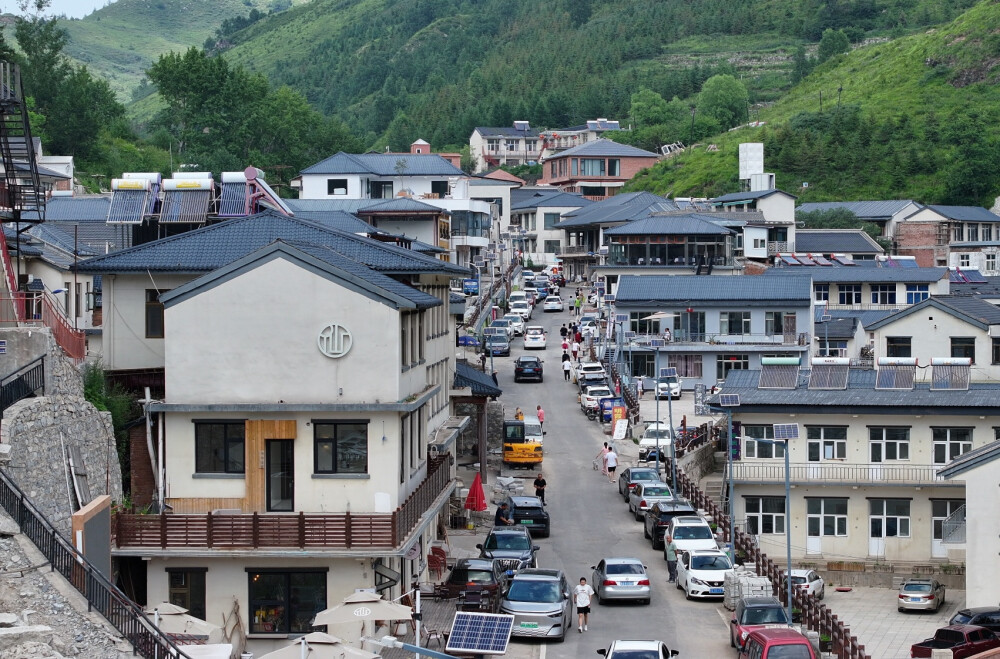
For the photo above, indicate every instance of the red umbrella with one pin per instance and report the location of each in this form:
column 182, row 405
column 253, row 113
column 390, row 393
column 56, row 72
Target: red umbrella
column 477, row 497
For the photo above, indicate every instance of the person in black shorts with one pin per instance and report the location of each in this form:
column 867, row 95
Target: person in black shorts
column 503, row 515
column 611, row 460
column 581, row 596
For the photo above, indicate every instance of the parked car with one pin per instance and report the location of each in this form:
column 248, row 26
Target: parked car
column 527, row 367
column 668, row 386
column 516, row 323
column 637, row 650
column 621, row 579
column 983, row 616
column 963, row 641
column 690, row 532
column 498, row 344
column 777, row 644
column 592, row 395
column 588, row 373
column 920, row 595
column 521, row 308
column 656, row 519
column 629, row 476
column 472, row 572
column 753, row 613
column 540, row 603
column 510, row 546
column 534, row 338
column 702, row 572
column 655, row 433
column 504, row 324
column 529, row 512
column 644, row 495
column 553, row 303
column 809, row 582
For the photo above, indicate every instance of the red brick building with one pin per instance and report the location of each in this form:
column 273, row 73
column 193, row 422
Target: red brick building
column 596, row 169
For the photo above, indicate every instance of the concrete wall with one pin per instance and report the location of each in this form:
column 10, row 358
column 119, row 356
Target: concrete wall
column 314, row 186
column 779, row 209
column 930, row 333
column 982, row 535
column 124, row 336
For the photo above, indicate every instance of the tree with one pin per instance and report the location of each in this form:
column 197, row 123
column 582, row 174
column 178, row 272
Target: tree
column 648, row 108
column 724, row 98
column 834, row 42
column 802, row 65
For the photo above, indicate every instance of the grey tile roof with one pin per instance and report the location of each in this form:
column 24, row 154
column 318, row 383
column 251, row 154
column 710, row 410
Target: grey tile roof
column 340, row 220
column 748, row 196
column 861, row 396
column 837, row 328
column 669, row 225
column 857, row 274
column 619, row 208
column 77, row 209
column 970, row 309
column 652, row 291
column 990, row 289
column 840, row 241
column 57, row 237
column 480, row 383
column 865, row 210
column 216, row 245
column 525, row 199
column 385, row 164
column 965, row 213
column 401, row 205
column 505, row 131
column 608, row 149
column 975, row 458
column 865, row 317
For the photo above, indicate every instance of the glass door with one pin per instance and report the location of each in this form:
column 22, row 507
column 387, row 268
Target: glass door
column 280, row 475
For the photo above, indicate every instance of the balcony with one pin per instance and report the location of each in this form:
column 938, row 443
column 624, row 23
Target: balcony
column 576, row 251
column 779, row 247
column 727, row 340
column 301, row 530
column 837, row 473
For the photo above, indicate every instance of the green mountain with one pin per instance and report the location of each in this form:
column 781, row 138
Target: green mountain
column 914, row 118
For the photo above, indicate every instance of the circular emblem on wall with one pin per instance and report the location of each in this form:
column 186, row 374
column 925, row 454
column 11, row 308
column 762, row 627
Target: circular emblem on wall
column 335, row 340
column 362, row 611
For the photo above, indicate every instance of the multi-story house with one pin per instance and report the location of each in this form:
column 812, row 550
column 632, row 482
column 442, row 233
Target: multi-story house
column 535, row 214
column 596, row 169
column 966, row 237
column 713, row 325
column 295, row 476
column 504, row 145
column 864, row 455
column 770, row 233
column 887, row 214
column 559, row 139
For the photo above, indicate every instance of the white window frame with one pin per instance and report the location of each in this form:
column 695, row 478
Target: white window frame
column 820, row 517
column 821, row 292
column 883, row 443
column 902, row 521
column 965, row 260
column 761, row 450
column 945, row 445
column 830, row 448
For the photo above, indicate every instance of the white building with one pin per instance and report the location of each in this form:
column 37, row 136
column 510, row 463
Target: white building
column 775, row 233
column 492, row 146
column 535, row 214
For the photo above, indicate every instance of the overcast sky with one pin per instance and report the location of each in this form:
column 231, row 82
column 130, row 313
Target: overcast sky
column 71, row 8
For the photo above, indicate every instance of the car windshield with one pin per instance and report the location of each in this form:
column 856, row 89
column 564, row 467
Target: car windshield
column 672, row 380
column 789, row 652
column 599, row 392
column 960, row 619
column 763, row 615
column 643, row 475
column 508, row 541
column 798, row 580
column 500, row 322
column 917, row 588
column 692, row 533
column 519, row 305
column 496, row 338
column 592, row 368
column 711, row 563
column 637, row 654
column 535, row 332
column 625, row 568
column 653, row 433
column 529, row 361
column 534, row 591
column 656, row 492
column 463, row 575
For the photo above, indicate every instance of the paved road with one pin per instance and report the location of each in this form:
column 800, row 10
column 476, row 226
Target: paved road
column 590, row 521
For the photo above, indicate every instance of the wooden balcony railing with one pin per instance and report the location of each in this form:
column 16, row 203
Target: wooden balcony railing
column 841, row 474
column 278, row 531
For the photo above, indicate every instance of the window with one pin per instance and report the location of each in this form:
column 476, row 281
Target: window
column 219, row 447
column 575, row 166
column 440, row 188
column 67, row 293
column 336, row 186
column 187, row 589
column 726, row 363
column 774, row 322
column 551, row 220
column 898, row 346
column 285, row 602
column 957, row 233
column 987, row 231
column 827, row 443
column 688, row 366
column 734, row 322
column 639, row 325
column 849, row 293
column 883, row 294
column 380, row 189
column 154, row 313
column 530, row 145
column 950, row 443
column 614, row 167
column 916, row 293
column 889, row 518
column 972, row 231
column 765, row 515
column 340, row 447
column 493, row 145
column 888, row 443
column 511, row 145
column 591, row 166
column 412, row 439
column 990, row 264
column 551, row 246
column 996, row 351
column 821, row 292
column 763, row 450
column 964, row 260
column 826, row 517
column 89, row 299
column 964, row 346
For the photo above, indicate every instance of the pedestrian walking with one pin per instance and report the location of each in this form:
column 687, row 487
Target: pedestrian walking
column 540, row 487
column 540, row 413
column 599, row 459
column 482, row 361
column 670, row 553
column 638, row 388
column 582, row 594
column 578, row 336
column 563, row 330
column 611, row 460
column 618, row 388
column 576, row 349
column 566, row 366
column 565, row 345
column 577, row 304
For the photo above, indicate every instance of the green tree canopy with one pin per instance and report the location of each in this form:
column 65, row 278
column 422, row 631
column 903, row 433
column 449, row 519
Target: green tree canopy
column 724, row 98
column 648, row 108
column 834, row 42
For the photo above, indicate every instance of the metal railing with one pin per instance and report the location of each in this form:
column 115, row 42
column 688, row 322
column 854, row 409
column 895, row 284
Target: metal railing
column 575, row 250
column 736, row 340
column 953, row 528
column 22, row 383
column 836, row 472
column 42, row 309
column 101, row 595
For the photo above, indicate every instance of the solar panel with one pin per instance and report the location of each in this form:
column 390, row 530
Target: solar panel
column 784, row 431
column 829, row 373
column 950, row 374
column 127, row 206
column 779, row 373
column 805, row 260
column 843, row 260
column 729, row 400
column 630, row 334
column 668, row 372
column 233, row 199
column 895, row 373
column 657, row 343
column 621, row 318
column 789, row 259
column 820, row 259
column 609, row 298
column 480, row 633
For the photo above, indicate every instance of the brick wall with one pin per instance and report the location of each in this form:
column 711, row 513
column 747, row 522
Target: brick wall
column 142, row 483
column 920, row 240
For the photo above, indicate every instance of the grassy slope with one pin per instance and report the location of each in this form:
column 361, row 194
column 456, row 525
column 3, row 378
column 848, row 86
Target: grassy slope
column 118, row 42
column 886, row 80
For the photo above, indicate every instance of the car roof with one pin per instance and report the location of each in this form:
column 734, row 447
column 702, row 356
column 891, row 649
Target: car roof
column 926, row 581
column 976, row 610
column 622, row 561
column 479, row 563
column 779, row 635
column 636, row 645
column 674, row 504
column 526, row 500
column 520, row 530
column 529, row 358
column 800, row 573
column 707, row 552
column 538, row 574
column 689, row 520
column 761, row 601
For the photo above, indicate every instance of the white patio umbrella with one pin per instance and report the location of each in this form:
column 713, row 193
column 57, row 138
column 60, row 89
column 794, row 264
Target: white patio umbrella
column 360, row 607
column 317, row 645
column 660, row 315
column 174, row 620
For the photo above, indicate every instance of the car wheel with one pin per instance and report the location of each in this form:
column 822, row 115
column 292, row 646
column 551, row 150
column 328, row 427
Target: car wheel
column 687, row 594
column 899, row 608
column 822, row 594
column 638, row 515
column 678, row 585
column 597, row 597
column 732, row 641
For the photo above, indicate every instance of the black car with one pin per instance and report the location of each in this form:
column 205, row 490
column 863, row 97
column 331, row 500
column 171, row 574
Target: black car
column 527, row 368
column 529, row 512
column 470, row 572
column 510, row 546
column 984, row 616
column 658, row 517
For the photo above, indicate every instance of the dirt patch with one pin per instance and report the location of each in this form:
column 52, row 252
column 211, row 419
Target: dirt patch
column 981, row 73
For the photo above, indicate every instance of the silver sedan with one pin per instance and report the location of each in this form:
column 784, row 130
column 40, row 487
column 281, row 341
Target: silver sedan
column 621, row 579
column 920, row 595
column 644, row 495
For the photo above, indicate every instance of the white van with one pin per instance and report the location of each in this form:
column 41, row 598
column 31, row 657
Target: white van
column 532, row 429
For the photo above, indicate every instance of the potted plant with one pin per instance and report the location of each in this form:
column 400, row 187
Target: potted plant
column 825, row 643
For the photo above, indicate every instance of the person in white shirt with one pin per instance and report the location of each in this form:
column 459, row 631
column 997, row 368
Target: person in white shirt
column 582, row 595
column 611, row 462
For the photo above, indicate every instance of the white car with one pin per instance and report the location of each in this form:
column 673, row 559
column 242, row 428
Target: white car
column 702, row 573
column 668, row 386
column 626, row 649
column 592, row 395
column 809, row 582
column 516, row 321
column 522, row 309
column 592, row 372
column 689, row 533
column 504, row 324
column 553, row 303
column 534, row 338
column 656, row 434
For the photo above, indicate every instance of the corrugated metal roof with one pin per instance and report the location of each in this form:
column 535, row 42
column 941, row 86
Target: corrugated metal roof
column 975, row 458
column 854, row 274
column 619, row 208
column 865, row 210
column 669, row 225
column 865, row 317
column 547, row 199
column 749, row 196
column 840, row 241
column 607, row 149
column 837, row 328
column 480, row 383
column 965, row 213
column 385, row 164
column 649, row 291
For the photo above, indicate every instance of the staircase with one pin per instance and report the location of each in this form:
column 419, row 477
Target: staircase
column 23, row 195
column 714, row 484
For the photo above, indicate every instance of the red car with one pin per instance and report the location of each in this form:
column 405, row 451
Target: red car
column 963, row 641
column 761, row 644
column 754, row 614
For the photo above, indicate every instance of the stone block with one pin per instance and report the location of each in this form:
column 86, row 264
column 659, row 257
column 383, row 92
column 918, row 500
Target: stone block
column 8, row 620
column 13, row 636
column 8, row 527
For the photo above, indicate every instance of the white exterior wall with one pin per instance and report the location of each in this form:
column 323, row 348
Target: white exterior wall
column 314, row 186
column 900, row 216
column 940, row 287
column 930, row 333
column 779, row 209
column 982, row 536
column 750, row 234
column 976, row 259
column 54, row 279
column 124, row 335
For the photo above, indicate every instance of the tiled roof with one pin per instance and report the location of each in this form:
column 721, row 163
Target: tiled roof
column 340, row 220
column 748, row 196
column 965, row 213
column 669, row 225
column 865, row 210
column 836, row 328
column 971, row 309
column 607, row 149
column 975, row 458
column 840, row 241
column 385, row 164
column 499, row 175
column 401, row 205
column 505, row 131
column 990, row 289
column 649, row 291
column 856, row 274
column 547, row 199
column 480, row 383
column 865, row 317
column 216, row 245
column 619, row 208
